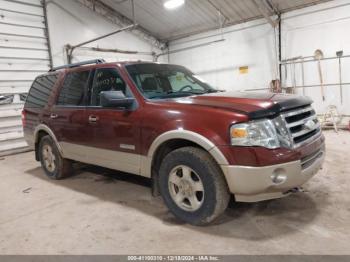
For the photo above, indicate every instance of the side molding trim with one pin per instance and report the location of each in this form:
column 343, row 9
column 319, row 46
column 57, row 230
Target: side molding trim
column 113, row 159
column 144, row 169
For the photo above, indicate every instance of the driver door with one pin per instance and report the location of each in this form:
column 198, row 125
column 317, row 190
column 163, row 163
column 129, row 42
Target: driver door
column 114, row 133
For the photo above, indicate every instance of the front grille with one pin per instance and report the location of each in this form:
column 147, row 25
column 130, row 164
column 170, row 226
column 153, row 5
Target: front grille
column 301, row 125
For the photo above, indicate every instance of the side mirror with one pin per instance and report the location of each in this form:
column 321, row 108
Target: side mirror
column 115, row 99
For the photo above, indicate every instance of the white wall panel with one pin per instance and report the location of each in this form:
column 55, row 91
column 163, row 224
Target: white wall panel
column 71, row 23
column 23, row 55
column 248, row 44
column 324, row 26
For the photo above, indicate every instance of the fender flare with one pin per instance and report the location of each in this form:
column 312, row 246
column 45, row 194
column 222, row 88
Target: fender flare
column 186, row 135
column 43, row 127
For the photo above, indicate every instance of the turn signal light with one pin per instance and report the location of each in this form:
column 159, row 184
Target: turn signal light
column 238, row 133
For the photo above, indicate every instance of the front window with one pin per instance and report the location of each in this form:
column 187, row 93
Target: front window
column 157, row 81
column 106, row 79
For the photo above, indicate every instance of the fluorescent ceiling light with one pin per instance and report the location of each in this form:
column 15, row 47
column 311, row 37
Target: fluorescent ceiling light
column 172, row 4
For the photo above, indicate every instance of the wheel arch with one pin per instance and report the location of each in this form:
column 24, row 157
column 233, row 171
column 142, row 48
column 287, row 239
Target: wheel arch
column 39, row 132
column 175, row 139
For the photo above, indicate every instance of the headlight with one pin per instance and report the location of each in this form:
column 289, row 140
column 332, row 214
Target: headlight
column 256, row 133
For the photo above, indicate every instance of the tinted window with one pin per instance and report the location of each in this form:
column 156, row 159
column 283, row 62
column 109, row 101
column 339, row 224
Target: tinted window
column 40, row 91
column 72, row 92
column 106, row 79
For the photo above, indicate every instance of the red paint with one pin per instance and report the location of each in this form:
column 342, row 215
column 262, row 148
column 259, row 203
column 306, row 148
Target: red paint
column 208, row 115
column 23, row 116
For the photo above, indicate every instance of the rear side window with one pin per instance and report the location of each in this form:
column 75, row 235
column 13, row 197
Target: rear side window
column 72, row 92
column 40, row 91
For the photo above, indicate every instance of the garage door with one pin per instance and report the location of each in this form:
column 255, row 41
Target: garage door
column 24, row 54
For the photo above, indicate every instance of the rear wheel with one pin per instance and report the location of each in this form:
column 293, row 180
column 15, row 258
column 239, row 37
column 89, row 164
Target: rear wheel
column 193, row 186
column 54, row 165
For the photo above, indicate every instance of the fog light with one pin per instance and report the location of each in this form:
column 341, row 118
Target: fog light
column 278, row 176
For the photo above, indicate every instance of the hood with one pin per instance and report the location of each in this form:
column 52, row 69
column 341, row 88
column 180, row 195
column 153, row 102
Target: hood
column 254, row 104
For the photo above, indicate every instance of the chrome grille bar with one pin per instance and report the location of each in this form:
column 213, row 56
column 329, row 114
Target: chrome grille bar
column 299, row 127
column 301, row 122
column 297, row 112
column 305, row 131
column 318, row 134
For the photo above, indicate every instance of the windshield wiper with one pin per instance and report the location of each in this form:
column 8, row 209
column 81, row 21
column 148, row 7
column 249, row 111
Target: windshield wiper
column 213, row 91
column 197, row 92
column 172, row 94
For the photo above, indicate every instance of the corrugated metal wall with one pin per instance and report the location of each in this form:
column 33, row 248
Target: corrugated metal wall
column 24, row 54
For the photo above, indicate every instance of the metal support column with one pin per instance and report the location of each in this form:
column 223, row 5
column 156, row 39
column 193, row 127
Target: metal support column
column 280, row 47
column 47, row 32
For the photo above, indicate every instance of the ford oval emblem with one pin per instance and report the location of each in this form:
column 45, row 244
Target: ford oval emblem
column 310, row 124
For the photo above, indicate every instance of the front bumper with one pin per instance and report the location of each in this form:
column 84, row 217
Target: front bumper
column 252, row 184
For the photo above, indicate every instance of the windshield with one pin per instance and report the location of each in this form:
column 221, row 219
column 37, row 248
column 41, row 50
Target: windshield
column 157, row 81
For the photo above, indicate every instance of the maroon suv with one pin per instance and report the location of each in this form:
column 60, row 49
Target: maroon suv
column 197, row 144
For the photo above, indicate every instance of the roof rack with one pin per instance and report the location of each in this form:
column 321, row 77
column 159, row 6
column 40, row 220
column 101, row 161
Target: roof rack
column 88, row 62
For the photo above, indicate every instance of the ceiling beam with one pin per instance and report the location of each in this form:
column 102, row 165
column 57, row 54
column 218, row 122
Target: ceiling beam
column 226, row 18
column 117, row 18
column 272, row 6
column 262, row 9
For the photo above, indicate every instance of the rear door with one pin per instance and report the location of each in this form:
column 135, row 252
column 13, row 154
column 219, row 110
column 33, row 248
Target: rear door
column 114, row 133
column 68, row 115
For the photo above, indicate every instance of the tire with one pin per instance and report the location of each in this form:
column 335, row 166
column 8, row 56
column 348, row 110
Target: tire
column 193, row 186
column 55, row 166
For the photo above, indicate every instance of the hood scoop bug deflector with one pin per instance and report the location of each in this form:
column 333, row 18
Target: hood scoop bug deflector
column 281, row 106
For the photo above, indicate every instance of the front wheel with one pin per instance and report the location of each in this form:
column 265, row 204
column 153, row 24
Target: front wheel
column 193, row 186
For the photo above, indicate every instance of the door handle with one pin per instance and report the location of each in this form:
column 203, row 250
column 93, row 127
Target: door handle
column 93, row 119
column 53, row 116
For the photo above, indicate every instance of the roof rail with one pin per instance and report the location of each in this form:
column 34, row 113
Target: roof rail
column 88, row 62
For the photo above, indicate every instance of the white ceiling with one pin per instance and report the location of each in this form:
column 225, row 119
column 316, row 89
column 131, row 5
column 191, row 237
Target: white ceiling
column 198, row 15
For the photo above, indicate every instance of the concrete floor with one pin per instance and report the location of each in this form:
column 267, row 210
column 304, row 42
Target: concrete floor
column 94, row 213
